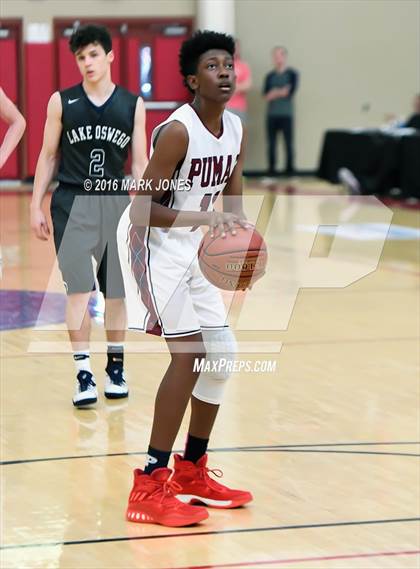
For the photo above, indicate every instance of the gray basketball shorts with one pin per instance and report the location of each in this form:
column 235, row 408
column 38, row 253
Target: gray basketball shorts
column 85, row 228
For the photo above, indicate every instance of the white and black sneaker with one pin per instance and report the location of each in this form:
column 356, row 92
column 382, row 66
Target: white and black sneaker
column 86, row 392
column 115, row 384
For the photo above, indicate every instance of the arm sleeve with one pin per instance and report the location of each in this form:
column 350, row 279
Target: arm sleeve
column 267, row 84
column 294, row 82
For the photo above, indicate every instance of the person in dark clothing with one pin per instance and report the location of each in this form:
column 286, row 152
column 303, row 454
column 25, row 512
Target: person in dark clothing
column 279, row 88
column 414, row 120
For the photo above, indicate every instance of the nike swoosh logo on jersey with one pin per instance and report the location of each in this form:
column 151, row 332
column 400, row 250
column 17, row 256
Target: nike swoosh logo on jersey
column 71, row 101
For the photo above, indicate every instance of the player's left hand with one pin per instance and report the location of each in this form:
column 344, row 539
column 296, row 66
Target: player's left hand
column 223, row 221
column 39, row 224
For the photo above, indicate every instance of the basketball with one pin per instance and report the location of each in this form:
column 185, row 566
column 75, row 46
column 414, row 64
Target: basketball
column 234, row 262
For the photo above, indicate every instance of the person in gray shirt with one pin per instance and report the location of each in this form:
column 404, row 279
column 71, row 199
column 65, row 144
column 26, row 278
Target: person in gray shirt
column 279, row 88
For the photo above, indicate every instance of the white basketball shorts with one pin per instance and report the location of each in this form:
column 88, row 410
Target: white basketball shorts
column 166, row 292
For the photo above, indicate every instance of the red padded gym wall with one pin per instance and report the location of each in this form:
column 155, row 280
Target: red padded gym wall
column 168, row 85
column 132, row 68
column 116, row 65
column 67, row 71
column 153, row 118
column 9, row 84
column 39, row 86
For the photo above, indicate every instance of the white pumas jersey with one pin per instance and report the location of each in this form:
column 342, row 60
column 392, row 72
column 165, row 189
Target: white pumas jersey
column 166, row 292
column 208, row 163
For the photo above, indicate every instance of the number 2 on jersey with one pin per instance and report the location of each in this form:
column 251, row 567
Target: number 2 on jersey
column 97, row 161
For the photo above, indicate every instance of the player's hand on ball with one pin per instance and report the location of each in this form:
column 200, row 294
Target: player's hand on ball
column 233, row 262
column 39, row 224
column 222, row 222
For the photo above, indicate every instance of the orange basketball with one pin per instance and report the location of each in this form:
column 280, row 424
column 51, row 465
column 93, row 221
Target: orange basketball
column 233, row 262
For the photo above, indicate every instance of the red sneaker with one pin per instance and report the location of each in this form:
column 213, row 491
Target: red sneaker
column 198, row 487
column 152, row 501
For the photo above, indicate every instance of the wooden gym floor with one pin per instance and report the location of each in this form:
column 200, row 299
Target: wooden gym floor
column 328, row 443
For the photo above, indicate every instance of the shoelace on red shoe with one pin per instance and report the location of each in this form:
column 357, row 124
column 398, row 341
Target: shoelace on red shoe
column 168, row 490
column 204, row 474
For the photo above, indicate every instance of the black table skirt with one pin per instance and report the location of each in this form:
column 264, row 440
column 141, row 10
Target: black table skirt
column 380, row 161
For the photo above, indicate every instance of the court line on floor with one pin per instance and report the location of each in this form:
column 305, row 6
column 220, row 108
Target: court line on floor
column 48, row 349
column 349, row 341
column 351, row 444
column 333, row 451
column 303, row 559
column 213, row 532
column 401, row 271
column 254, row 448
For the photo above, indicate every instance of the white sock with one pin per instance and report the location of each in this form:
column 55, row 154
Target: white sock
column 82, row 360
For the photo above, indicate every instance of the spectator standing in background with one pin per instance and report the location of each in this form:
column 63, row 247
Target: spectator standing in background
column 238, row 103
column 279, row 88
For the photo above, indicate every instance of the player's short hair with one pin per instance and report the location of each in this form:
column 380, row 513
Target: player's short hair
column 90, row 33
column 194, row 47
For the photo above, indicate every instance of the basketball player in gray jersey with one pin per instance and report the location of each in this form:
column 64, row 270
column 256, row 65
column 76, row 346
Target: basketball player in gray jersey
column 88, row 132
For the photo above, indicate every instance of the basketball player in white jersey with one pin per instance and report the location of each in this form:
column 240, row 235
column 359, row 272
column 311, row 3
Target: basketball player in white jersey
column 199, row 147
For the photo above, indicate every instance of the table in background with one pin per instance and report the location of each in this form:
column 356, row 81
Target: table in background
column 380, row 160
